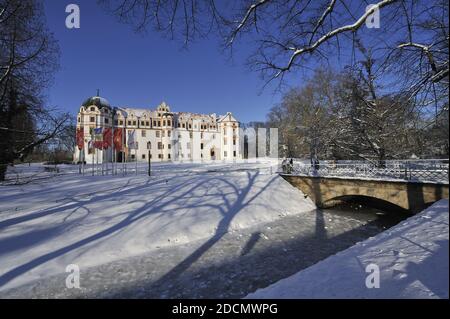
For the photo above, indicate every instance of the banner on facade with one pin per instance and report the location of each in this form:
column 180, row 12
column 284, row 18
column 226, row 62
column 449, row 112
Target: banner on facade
column 80, row 138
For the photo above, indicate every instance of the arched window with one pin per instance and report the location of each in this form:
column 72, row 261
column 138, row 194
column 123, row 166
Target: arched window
column 149, row 145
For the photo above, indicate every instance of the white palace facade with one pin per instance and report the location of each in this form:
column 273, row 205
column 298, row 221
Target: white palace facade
column 161, row 134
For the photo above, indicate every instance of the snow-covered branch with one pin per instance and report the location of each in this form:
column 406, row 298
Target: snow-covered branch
column 331, row 34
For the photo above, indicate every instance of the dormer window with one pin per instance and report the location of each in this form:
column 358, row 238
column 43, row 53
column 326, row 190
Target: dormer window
column 92, row 109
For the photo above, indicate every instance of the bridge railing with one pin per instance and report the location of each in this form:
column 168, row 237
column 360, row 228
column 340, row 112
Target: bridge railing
column 411, row 170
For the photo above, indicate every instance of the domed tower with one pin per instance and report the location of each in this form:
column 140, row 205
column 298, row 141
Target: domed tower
column 95, row 112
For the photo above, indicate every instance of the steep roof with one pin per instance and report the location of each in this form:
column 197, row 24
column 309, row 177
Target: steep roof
column 227, row 118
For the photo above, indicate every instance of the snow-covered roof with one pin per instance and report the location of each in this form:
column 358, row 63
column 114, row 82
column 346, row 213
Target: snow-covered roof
column 227, row 118
column 126, row 111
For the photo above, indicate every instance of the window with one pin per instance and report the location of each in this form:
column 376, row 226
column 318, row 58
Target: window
column 134, row 123
column 160, row 156
column 190, row 134
column 143, row 133
column 143, row 156
column 201, row 146
column 169, row 146
column 133, row 156
column 92, row 109
column 184, row 125
column 234, row 141
column 149, row 145
column 168, row 133
column 201, row 135
column 121, row 122
column 158, row 134
column 154, row 123
column 169, row 123
column 147, row 123
column 179, row 124
column 225, row 154
column 79, row 120
column 159, row 123
column 92, row 119
column 160, row 146
column 142, row 123
column 129, row 123
column 164, row 123
column 168, row 156
column 234, row 153
column 224, row 141
column 214, row 136
column 190, row 126
column 106, row 121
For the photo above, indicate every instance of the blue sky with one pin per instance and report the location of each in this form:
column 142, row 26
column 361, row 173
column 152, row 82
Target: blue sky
column 143, row 70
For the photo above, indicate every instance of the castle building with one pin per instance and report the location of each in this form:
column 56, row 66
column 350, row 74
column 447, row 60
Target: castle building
column 161, row 134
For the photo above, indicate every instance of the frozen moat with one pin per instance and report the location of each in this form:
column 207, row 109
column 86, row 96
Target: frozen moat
column 231, row 265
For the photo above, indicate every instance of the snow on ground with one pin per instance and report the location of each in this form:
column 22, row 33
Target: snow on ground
column 413, row 258
column 57, row 220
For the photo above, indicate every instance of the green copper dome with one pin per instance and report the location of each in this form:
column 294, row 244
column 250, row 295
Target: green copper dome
column 97, row 101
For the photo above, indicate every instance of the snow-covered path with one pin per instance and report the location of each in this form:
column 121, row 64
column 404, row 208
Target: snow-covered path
column 413, row 259
column 93, row 220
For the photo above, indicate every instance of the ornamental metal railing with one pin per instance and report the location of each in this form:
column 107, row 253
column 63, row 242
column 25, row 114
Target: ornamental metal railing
column 410, row 170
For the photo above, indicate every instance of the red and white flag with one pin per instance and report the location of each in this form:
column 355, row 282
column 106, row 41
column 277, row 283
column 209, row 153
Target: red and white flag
column 80, row 138
column 118, row 137
column 107, row 138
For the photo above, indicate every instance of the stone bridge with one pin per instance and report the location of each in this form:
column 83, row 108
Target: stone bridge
column 407, row 195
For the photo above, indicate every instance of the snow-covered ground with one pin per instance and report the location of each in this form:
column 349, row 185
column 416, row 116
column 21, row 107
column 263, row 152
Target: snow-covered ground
column 413, row 259
column 65, row 218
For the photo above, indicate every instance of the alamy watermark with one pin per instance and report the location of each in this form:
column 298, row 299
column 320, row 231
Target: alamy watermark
column 73, row 279
column 373, row 19
column 373, row 279
column 73, row 19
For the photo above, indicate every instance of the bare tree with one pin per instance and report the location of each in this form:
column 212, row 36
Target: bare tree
column 410, row 46
column 28, row 55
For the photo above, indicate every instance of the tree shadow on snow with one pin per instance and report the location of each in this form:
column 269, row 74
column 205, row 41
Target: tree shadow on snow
column 156, row 205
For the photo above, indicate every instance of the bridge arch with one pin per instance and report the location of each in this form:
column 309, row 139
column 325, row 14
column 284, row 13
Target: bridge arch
column 370, row 201
column 410, row 196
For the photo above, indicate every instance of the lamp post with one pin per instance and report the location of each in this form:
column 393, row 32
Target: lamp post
column 149, row 163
